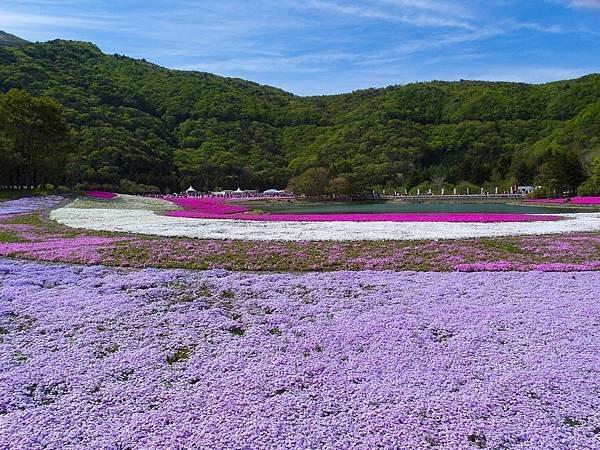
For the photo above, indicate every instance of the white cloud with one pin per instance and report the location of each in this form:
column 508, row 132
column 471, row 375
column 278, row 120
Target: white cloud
column 593, row 4
column 448, row 8
column 412, row 12
column 534, row 26
column 20, row 20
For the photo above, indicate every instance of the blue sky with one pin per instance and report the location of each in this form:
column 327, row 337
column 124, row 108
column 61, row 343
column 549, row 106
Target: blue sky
column 312, row 47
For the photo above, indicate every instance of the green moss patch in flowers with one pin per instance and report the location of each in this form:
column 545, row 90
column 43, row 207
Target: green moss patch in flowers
column 33, row 219
column 10, row 236
column 181, row 354
column 504, row 245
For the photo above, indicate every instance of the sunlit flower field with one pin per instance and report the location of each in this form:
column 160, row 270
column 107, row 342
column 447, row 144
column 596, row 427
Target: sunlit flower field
column 107, row 358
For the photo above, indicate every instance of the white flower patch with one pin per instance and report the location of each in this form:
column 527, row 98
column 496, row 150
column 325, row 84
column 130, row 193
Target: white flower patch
column 150, row 223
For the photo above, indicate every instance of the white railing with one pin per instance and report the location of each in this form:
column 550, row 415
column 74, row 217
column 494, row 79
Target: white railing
column 452, row 196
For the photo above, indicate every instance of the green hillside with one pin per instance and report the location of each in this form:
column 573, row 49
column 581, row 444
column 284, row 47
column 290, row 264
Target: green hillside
column 140, row 122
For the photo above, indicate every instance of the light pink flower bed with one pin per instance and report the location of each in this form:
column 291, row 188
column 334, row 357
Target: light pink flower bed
column 218, row 208
column 81, row 249
column 101, row 194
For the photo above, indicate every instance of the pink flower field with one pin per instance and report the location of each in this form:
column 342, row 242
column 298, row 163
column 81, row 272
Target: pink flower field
column 219, row 208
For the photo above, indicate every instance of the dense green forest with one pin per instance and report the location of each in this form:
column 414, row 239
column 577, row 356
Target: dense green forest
column 134, row 123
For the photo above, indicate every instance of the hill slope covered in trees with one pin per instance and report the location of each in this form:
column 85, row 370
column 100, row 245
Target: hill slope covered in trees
column 140, row 122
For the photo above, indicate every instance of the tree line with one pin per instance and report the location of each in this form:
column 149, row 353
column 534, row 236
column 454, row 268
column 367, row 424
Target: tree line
column 39, row 148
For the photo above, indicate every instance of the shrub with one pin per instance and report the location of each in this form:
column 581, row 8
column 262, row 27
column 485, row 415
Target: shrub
column 588, row 188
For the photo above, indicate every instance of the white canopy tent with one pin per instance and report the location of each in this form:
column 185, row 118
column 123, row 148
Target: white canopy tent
column 272, row 192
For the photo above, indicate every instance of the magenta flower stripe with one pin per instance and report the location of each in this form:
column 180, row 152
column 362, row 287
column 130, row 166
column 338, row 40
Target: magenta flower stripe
column 101, row 194
column 574, row 200
column 586, row 200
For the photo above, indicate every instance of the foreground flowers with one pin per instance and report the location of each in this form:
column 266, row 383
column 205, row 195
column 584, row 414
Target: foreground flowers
column 93, row 357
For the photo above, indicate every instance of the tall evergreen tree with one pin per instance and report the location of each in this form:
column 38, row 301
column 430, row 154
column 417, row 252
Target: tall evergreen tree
column 562, row 173
column 36, row 139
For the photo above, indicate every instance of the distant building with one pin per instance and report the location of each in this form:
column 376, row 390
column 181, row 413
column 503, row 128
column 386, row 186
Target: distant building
column 273, row 192
column 223, row 193
column 525, row 189
column 237, row 193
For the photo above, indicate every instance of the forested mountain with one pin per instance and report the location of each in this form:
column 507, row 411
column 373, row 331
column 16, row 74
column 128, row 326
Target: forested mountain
column 136, row 121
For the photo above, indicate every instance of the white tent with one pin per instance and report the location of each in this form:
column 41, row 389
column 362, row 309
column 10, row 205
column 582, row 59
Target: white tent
column 191, row 191
column 238, row 191
column 272, row 191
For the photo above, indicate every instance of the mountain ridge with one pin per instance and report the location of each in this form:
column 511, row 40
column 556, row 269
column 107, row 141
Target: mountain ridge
column 7, row 39
column 13, row 38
